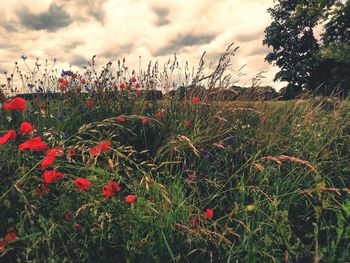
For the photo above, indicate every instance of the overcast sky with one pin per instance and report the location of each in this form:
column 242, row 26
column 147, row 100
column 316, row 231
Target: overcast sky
column 72, row 31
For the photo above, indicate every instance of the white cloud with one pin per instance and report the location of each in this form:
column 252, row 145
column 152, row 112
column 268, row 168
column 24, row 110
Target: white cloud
column 114, row 29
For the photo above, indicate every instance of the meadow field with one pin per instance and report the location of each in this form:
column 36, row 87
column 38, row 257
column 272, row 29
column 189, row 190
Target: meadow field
column 110, row 176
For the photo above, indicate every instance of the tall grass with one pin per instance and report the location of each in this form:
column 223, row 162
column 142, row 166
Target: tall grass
column 275, row 174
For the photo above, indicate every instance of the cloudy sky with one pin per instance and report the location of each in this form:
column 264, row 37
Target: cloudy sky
column 72, row 31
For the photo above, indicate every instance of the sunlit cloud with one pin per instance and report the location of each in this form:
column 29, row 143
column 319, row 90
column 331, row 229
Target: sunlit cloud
column 72, row 31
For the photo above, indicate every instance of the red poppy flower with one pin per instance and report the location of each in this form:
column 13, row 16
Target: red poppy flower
column 34, row 144
column 159, row 114
column 187, row 123
column 51, row 155
column 56, row 151
column 16, row 104
column 63, row 84
column 43, row 190
column 90, row 104
column 120, row 119
column 144, row 121
column 137, row 85
column 133, row 79
column 195, row 100
column 123, row 86
column 2, row 246
column 209, row 213
column 9, row 237
column 193, row 221
column 103, row 146
column 25, row 128
column 71, row 152
column 82, row 184
column 130, row 199
column 48, row 161
column 10, row 135
column 67, row 215
column 50, row 176
column 111, row 189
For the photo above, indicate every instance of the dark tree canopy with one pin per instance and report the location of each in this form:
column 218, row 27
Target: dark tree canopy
column 305, row 61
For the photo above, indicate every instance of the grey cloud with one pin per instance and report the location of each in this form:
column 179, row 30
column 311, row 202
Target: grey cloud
column 93, row 8
column 162, row 13
column 78, row 61
column 258, row 51
column 8, row 25
column 117, row 52
column 72, row 45
column 247, row 37
column 182, row 41
column 51, row 20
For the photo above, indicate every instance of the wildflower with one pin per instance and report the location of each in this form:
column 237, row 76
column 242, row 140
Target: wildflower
column 49, row 160
column 43, row 190
column 34, row 144
column 9, row 237
column 71, row 152
column 63, row 83
column 56, row 151
column 132, row 79
column 89, row 104
column 206, row 154
column 17, row 103
column 120, row 119
column 50, row 176
column 25, row 128
column 123, row 86
column 233, row 139
column 60, row 118
column 111, row 189
column 67, row 215
column 83, row 110
column 159, row 114
column 103, row 146
column 66, row 73
column 144, row 121
column 195, row 100
column 10, row 135
column 209, row 213
column 193, row 221
column 130, row 199
column 82, row 184
column 187, row 123
column 2, row 246
column 51, row 155
column 78, row 227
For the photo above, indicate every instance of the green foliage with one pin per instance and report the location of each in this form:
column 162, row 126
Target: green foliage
column 274, row 173
column 305, row 62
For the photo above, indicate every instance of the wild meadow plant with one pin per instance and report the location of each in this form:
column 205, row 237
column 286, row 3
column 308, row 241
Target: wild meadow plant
column 101, row 172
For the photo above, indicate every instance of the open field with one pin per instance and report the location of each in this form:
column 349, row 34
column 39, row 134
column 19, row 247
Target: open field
column 133, row 180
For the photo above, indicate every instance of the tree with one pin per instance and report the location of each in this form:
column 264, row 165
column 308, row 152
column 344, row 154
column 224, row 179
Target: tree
column 333, row 59
column 295, row 48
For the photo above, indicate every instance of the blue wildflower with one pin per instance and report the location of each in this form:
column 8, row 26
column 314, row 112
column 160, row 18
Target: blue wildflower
column 206, row 154
column 60, row 118
column 65, row 73
column 83, row 110
column 233, row 139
